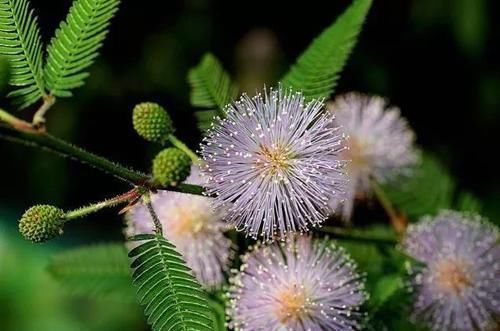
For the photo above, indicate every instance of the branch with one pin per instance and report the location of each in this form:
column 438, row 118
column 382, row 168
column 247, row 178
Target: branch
column 129, row 197
column 19, row 131
column 398, row 221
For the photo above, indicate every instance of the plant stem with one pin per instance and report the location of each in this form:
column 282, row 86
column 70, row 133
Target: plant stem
column 15, row 122
column 39, row 117
column 156, row 220
column 20, row 131
column 357, row 235
column 397, row 220
column 127, row 197
column 180, row 145
column 48, row 142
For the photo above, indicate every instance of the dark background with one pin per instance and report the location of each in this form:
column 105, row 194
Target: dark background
column 437, row 60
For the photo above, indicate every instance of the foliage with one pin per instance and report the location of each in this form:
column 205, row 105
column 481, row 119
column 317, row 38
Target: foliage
column 423, row 192
column 211, row 89
column 72, row 50
column 20, row 41
column 317, row 70
column 428, row 189
column 172, row 297
column 98, row 270
column 76, row 44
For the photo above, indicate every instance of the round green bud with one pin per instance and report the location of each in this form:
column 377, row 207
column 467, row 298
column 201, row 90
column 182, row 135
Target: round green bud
column 41, row 223
column 171, row 166
column 152, row 122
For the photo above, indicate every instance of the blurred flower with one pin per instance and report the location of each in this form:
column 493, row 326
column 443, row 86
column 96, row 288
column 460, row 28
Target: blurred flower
column 191, row 224
column 299, row 284
column 381, row 144
column 458, row 286
column 276, row 161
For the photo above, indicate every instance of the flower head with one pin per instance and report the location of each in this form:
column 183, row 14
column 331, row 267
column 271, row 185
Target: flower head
column 192, row 225
column 300, row 284
column 457, row 288
column 380, row 143
column 41, row 223
column 274, row 163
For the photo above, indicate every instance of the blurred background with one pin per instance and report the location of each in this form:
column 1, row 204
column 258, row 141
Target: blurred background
column 436, row 60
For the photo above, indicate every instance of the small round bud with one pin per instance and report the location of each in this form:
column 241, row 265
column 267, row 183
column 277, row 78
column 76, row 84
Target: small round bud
column 152, row 122
column 171, row 166
column 41, row 223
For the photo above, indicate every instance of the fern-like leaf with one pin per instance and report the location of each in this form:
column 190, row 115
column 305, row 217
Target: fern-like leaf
column 99, row 270
column 76, row 44
column 20, row 41
column 211, row 89
column 172, row 297
column 317, row 70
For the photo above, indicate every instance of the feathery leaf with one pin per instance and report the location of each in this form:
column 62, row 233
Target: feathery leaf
column 99, row 270
column 211, row 89
column 20, row 41
column 317, row 70
column 172, row 297
column 76, row 44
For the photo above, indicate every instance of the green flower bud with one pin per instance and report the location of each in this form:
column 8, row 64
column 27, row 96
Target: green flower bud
column 171, row 166
column 41, row 223
column 152, row 122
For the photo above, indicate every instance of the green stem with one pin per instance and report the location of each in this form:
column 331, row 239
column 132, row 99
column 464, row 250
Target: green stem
column 156, row 220
column 23, row 132
column 127, row 197
column 356, row 235
column 180, row 145
column 46, row 141
column 39, row 117
column 15, row 122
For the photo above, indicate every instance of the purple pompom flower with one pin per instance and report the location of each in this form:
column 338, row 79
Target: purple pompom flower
column 193, row 226
column 300, row 284
column 458, row 286
column 381, row 144
column 274, row 163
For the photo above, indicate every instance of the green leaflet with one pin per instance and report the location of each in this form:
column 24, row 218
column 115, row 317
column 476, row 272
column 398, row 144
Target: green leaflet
column 76, row 44
column 20, row 41
column 317, row 70
column 211, row 89
column 98, row 270
column 171, row 296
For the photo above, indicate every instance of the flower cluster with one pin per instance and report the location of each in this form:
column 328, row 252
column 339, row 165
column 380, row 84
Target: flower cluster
column 300, row 284
column 380, row 143
column 458, row 286
column 274, row 162
column 193, row 227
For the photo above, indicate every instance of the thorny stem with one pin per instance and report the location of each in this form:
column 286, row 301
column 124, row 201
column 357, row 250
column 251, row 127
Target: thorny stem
column 39, row 117
column 356, row 235
column 397, row 220
column 127, row 197
column 23, row 132
column 156, row 220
